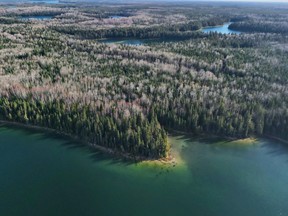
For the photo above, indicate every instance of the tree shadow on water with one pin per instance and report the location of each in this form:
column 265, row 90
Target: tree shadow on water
column 69, row 143
column 199, row 138
column 111, row 158
column 275, row 148
column 94, row 154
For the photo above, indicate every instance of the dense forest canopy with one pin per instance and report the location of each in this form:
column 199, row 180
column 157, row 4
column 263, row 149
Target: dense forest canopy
column 55, row 73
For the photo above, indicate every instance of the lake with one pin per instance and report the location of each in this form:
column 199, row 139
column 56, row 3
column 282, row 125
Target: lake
column 117, row 17
column 36, row 17
column 43, row 174
column 220, row 29
column 136, row 42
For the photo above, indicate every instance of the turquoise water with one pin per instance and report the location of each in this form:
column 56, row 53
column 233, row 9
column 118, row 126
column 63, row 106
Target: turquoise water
column 220, row 29
column 42, row 174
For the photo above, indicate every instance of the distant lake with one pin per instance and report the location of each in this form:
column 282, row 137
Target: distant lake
column 220, row 29
column 116, row 17
column 36, row 17
column 136, row 42
column 46, row 175
column 11, row 6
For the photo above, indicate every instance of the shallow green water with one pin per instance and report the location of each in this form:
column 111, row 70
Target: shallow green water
column 46, row 175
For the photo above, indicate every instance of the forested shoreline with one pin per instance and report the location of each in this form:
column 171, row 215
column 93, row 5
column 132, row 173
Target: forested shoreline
column 136, row 135
column 125, row 97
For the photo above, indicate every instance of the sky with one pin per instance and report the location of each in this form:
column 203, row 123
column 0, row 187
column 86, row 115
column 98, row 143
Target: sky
column 275, row 1
column 254, row 0
column 236, row 0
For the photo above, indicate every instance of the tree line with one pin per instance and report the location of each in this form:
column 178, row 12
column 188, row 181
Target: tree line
column 136, row 135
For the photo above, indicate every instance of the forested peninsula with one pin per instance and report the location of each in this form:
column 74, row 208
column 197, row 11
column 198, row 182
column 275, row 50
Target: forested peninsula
column 55, row 73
